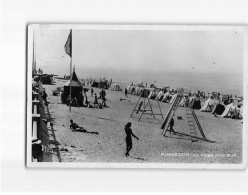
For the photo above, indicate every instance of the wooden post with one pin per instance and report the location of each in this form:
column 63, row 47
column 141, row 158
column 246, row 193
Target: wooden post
column 34, row 133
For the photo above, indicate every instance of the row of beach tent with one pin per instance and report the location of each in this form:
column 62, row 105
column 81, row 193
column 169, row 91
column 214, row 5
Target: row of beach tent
column 212, row 105
column 217, row 107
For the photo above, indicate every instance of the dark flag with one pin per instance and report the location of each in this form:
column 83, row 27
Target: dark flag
column 68, row 44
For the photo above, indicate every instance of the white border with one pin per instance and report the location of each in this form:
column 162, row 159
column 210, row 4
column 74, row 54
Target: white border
column 240, row 28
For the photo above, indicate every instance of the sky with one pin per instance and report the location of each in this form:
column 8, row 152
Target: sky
column 213, row 52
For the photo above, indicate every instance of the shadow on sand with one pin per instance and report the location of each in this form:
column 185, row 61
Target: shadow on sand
column 178, row 135
column 84, row 131
column 137, row 158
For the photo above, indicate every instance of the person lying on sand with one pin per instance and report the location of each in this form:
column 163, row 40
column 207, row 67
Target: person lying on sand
column 129, row 134
column 75, row 127
column 121, row 99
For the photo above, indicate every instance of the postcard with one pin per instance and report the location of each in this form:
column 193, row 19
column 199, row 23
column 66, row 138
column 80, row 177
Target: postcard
column 136, row 96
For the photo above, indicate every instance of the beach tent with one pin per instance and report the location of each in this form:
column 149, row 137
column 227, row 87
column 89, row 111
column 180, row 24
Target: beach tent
column 172, row 98
column 144, row 92
column 218, row 109
column 138, row 91
column 186, row 101
column 182, row 103
column 228, row 109
column 132, row 89
column 116, row 87
column 151, row 93
column 160, row 95
column 76, row 86
column 152, row 86
column 240, row 103
column 103, row 84
column 154, row 95
column 95, row 84
column 241, row 111
column 166, row 96
column 195, row 103
column 208, row 105
column 128, row 88
column 139, row 84
column 233, row 110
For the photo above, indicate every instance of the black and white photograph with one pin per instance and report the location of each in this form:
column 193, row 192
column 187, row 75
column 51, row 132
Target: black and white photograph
column 136, row 96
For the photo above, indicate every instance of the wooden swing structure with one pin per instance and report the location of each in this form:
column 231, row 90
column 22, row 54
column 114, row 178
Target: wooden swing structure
column 147, row 105
column 191, row 119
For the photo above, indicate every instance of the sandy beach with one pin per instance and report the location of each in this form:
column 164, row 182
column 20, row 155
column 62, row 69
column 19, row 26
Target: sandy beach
column 109, row 145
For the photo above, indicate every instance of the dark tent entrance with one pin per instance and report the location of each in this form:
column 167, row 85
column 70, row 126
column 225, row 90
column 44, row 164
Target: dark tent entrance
column 75, row 91
column 218, row 109
column 95, row 84
column 196, row 104
column 103, row 84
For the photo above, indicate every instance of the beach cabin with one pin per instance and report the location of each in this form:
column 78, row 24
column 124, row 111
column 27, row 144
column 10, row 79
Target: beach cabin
column 46, row 79
column 76, row 87
column 95, row 84
column 103, row 84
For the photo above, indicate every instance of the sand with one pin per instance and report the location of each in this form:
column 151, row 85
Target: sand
column 109, row 145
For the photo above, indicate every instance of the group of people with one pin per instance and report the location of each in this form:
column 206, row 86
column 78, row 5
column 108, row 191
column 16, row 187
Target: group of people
column 82, row 100
column 102, row 96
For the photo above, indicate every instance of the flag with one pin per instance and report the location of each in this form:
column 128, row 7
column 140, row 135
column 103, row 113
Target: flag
column 68, row 44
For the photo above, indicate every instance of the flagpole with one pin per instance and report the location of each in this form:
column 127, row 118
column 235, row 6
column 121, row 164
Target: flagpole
column 70, row 70
column 34, row 59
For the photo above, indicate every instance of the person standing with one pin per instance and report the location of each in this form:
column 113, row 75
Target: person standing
column 129, row 134
column 96, row 101
column 139, row 108
column 44, row 95
column 103, row 94
column 92, row 92
column 86, row 98
column 68, row 100
column 171, row 126
column 126, row 92
column 80, row 99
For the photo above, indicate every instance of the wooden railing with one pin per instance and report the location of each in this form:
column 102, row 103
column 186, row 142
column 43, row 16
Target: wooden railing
column 35, row 117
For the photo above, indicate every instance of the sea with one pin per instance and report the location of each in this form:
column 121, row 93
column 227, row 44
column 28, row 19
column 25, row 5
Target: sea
column 202, row 81
column 226, row 83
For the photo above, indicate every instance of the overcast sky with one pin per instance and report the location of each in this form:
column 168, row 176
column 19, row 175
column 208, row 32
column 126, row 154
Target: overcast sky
column 209, row 51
